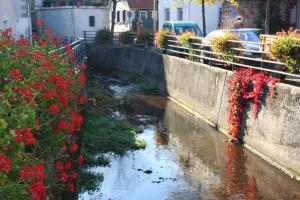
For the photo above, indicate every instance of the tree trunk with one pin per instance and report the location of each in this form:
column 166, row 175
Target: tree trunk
column 203, row 18
column 113, row 15
column 267, row 22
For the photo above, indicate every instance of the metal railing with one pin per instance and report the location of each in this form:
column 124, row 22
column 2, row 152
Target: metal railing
column 90, row 37
column 200, row 51
column 78, row 48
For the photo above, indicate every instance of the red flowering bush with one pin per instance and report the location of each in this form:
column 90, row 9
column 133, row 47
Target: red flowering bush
column 40, row 105
column 246, row 84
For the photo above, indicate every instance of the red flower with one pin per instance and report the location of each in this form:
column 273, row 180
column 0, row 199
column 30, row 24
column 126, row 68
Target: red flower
column 16, row 74
column 54, row 108
column 74, row 148
column 48, row 94
column 70, row 127
column 39, row 23
column 35, row 172
column 64, row 177
column 71, row 187
column 62, row 124
column 82, row 100
column 59, row 165
column 74, row 175
column 82, row 77
column 38, row 190
column 68, row 165
column 5, row 163
column 26, row 136
column 83, row 66
column 69, row 72
column 63, row 100
column 80, row 160
column 28, row 96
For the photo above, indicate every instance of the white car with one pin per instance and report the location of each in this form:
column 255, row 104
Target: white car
column 249, row 37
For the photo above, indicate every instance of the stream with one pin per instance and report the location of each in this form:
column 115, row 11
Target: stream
column 185, row 159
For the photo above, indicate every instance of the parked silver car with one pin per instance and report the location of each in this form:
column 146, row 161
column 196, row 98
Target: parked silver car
column 249, row 37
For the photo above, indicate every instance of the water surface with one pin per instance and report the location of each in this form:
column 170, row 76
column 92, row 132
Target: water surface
column 184, row 158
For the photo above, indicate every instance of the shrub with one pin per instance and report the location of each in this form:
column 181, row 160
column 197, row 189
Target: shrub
column 40, row 101
column 103, row 36
column 184, row 38
column 285, row 48
column 222, row 44
column 160, row 38
column 144, row 37
column 125, row 38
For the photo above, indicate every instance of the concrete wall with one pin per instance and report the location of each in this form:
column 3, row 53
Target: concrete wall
column 71, row 21
column 203, row 90
column 191, row 12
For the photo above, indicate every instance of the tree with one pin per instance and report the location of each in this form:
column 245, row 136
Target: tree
column 210, row 2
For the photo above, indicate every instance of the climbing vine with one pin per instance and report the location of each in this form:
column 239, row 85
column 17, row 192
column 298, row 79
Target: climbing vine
column 246, row 85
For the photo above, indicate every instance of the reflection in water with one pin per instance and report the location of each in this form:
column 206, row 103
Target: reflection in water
column 236, row 171
column 187, row 159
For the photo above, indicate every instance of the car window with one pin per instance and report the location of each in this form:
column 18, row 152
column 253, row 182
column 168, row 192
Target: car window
column 166, row 26
column 179, row 29
column 248, row 36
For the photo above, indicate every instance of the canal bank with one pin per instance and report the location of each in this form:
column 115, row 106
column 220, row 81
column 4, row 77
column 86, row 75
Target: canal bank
column 274, row 135
column 184, row 157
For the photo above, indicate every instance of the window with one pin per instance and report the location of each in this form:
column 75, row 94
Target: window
column 179, row 14
column 136, row 15
column 124, row 16
column 5, row 24
column 149, row 14
column 92, row 21
column 118, row 16
column 167, row 14
column 143, row 15
column 166, row 26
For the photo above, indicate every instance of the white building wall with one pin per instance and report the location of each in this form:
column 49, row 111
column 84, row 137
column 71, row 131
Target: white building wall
column 122, row 26
column 191, row 12
column 13, row 14
column 71, row 22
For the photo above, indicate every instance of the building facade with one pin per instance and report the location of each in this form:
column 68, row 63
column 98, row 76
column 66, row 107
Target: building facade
column 170, row 10
column 72, row 21
column 130, row 12
column 16, row 14
column 252, row 14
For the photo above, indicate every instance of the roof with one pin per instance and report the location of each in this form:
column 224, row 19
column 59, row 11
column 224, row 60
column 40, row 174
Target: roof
column 141, row 4
column 180, row 22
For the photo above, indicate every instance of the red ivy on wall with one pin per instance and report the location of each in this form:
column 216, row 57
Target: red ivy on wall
column 240, row 92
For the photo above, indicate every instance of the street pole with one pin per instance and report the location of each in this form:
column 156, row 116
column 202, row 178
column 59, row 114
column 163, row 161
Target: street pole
column 267, row 22
column 157, row 15
column 29, row 21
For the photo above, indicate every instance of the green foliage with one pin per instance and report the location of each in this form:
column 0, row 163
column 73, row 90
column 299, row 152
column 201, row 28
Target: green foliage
column 125, row 37
column 144, row 85
column 160, row 39
column 106, row 135
column 89, row 181
column 222, row 44
column 103, row 36
column 144, row 37
column 102, row 134
column 286, row 49
column 184, row 38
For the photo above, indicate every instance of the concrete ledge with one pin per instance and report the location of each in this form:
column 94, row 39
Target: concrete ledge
column 202, row 90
